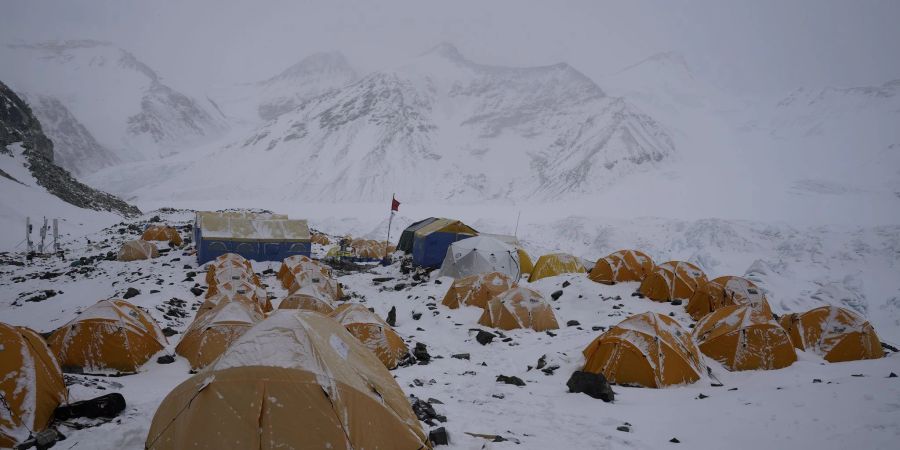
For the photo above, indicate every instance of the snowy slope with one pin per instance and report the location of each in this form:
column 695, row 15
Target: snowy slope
column 118, row 99
column 442, row 127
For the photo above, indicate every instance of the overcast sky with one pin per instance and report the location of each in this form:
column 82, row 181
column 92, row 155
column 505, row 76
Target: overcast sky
column 750, row 46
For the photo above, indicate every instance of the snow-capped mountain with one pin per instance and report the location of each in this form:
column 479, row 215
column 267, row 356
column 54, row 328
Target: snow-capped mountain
column 443, row 127
column 116, row 98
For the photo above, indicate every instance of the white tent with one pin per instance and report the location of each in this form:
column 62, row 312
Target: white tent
column 480, row 254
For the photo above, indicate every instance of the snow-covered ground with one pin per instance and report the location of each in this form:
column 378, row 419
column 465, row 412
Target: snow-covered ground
column 854, row 404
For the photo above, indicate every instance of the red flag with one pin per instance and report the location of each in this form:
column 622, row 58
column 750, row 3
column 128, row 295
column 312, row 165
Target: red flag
column 395, row 205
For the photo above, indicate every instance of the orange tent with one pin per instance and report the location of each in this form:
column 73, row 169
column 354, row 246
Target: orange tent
column 307, row 299
column 110, row 335
column 315, row 386
column 299, row 263
column 244, row 288
column 837, row 334
column 31, row 384
column 162, row 233
column 672, row 280
column 373, row 332
column 649, row 350
column 744, row 338
column 211, row 302
column 325, row 285
column 231, row 259
column 519, row 307
column 137, row 249
column 555, row 264
column 724, row 291
column 211, row 333
column 621, row 266
column 320, row 239
column 477, row 290
column 225, row 274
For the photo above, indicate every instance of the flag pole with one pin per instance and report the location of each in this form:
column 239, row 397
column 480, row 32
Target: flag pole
column 387, row 242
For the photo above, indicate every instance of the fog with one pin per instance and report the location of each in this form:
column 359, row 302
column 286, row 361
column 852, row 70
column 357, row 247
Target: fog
column 760, row 47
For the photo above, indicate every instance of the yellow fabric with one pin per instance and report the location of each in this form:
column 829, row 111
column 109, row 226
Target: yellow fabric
column 744, row 338
column 672, row 280
column 555, row 264
column 373, row 332
column 445, row 226
column 162, row 233
column 519, row 307
column 477, row 290
column 724, row 291
column 137, row 249
column 837, row 334
column 621, row 266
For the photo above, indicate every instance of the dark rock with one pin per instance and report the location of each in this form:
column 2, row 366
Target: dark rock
column 702, row 396
column 196, row 291
column 421, row 352
column 399, row 286
column 597, row 328
column 169, row 332
column 816, row 380
column 676, row 302
column 572, row 323
column 155, row 219
column 131, row 292
column 892, row 375
column 674, row 441
column 165, row 359
column 516, row 381
column 592, row 384
column 542, row 362
column 381, row 279
column 461, row 356
column 550, row 333
column 416, row 315
column 437, row 281
column 439, row 436
column 550, row 369
column 392, row 317
column 623, row 428
column 109, row 405
column 484, row 337
column 191, row 274
column 423, row 410
column 556, row 295
column 566, row 284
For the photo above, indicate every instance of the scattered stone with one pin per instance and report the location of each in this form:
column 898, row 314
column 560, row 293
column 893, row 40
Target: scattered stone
column 592, row 384
column 892, row 375
column 400, row 286
column 702, row 396
column 437, row 281
column 732, row 389
column 556, row 294
column 674, row 441
column 623, row 428
column 676, row 302
column 421, row 353
column 196, row 291
column 169, row 332
column 165, row 359
column 566, row 284
column 439, row 436
column 109, row 405
column 514, row 380
column 858, row 375
column 542, row 362
column 380, row 280
column 816, row 380
column 484, row 337
column 597, row 328
column 434, row 401
column 460, row 356
column 416, row 315
column 572, row 323
column 131, row 292
column 392, row 317
column 550, row 369
column 268, row 271
column 550, row 333
column 498, row 396
column 193, row 274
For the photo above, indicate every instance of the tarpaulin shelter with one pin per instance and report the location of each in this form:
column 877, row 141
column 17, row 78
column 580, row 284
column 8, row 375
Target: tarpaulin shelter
column 31, row 384
column 648, row 349
column 431, row 241
column 554, row 264
column 373, row 332
column 621, row 266
column 480, row 254
column 477, row 290
column 255, row 238
column 744, row 338
column 519, row 307
column 295, row 380
column 837, row 334
column 672, row 280
column 724, row 291
column 111, row 335
column 408, row 235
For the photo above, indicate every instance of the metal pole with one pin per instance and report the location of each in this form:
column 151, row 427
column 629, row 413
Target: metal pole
column 28, row 234
column 55, row 235
column 390, row 221
column 43, row 234
column 516, row 233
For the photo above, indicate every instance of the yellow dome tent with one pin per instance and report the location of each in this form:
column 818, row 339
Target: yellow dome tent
column 309, row 300
column 31, row 384
column 837, row 334
column 555, row 264
column 648, row 349
column 242, row 287
column 672, row 280
column 323, row 284
column 211, row 333
column 621, row 266
column 110, row 335
column 519, row 307
column 136, row 250
column 211, row 302
column 525, row 263
column 162, row 233
column 373, row 332
column 744, row 338
column 725, row 291
column 297, row 263
column 477, row 290
column 315, row 387
column 320, row 239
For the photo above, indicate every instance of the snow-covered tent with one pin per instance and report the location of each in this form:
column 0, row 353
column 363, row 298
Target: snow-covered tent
column 519, row 307
column 211, row 333
column 111, row 335
column 480, row 254
column 137, row 249
column 373, row 332
column 837, row 334
column 295, row 380
column 621, row 266
column 554, row 264
column 259, row 238
column 162, row 233
column 477, row 290
column 408, row 235
column 246, row 288
column 672, row 280
column 297, row 263
column 512, row 241
column 31, row 384
column 744, row 338
column 648, row 349
column 724, row 291
column 431, row 241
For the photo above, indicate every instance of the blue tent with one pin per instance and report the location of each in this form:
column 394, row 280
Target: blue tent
column 430, row 242
column 255, row 237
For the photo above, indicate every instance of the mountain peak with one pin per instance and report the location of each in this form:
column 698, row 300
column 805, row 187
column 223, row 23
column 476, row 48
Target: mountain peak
column 670, row 59
column 447, row 50
column 318, row 63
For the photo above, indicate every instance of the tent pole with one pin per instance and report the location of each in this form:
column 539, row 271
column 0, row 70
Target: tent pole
column 387, row 242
